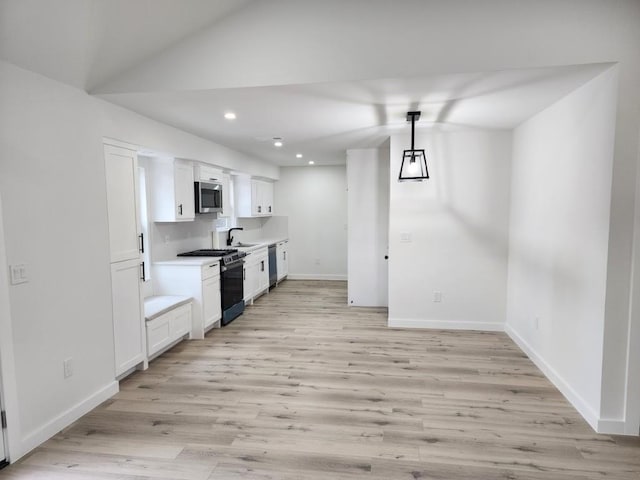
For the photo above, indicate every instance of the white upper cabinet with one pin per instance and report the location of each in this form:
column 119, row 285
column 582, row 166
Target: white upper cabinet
column 206, row 173
column 266, row 189
column 172, row 190
column 253, row 198
column 121, row 168
column 226, row 196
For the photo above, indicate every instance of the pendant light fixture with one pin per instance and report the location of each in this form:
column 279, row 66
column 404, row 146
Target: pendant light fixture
column 414, row 162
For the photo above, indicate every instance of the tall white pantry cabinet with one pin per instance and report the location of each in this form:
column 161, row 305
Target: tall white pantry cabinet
column 127, row 267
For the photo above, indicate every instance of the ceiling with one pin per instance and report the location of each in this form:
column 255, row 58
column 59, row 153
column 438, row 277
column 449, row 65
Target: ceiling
column 101, row 45
column 323, row 120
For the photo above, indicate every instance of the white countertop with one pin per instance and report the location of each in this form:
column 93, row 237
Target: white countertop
column 190, row 261
column 158, row 305
column 259, row 243
column 200, row 261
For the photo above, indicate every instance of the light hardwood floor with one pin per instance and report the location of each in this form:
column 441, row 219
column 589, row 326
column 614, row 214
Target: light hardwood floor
column 303, row 387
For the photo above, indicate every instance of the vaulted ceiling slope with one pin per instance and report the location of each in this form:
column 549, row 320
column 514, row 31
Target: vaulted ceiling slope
column 326, row 75
column 86, row 43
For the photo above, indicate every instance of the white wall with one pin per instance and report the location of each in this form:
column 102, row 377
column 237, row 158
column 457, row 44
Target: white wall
column 122, row 124
column 315, row 200
column 52, row 185
column 458, row 224
column 559, row 234
column 368, row 228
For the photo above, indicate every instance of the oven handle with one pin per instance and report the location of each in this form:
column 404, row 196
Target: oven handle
column 231, row 266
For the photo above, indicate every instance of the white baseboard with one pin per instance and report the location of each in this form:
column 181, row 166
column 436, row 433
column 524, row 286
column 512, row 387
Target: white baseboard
column 614, row 427
column 445, row 324
column 317, row 276
column 44, row 433
column 560, row 383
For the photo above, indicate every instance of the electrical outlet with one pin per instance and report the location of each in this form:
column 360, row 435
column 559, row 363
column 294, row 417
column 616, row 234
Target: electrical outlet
column 405, row 237
column 19, row 274
column 68, row 367
column 317, row 261
column 437, row 297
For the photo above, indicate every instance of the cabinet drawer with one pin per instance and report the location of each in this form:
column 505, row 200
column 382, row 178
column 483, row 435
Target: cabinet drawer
column 158, row 333
column 180, row 323
column 211, row 270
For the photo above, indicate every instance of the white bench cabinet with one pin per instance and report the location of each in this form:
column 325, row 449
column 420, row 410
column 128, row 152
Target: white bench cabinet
column 198, row 278
column 168, row 322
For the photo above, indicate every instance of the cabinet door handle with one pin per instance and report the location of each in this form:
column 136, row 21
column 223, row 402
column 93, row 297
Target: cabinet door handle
column 284, row 255
column 244, row 274
column 262, row 266
column 144, row 276
column 141, row 236
column 269, row 208
column 180, row 209
column 259, row 208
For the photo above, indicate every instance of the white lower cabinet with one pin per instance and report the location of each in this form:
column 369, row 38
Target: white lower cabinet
column 250, row 284
column 211, row 301
column 256, row 274
column 282, row 262
column 128, row 324
column 263, row 272
column 200, row 281
column 168, row 328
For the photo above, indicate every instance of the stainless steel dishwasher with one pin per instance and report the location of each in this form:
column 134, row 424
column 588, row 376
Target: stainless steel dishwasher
column 273, row 271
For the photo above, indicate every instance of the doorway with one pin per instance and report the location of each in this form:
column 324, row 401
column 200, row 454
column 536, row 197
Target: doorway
column 8, row 400
column 3, row 425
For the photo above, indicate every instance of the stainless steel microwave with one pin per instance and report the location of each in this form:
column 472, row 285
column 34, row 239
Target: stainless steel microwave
column 208, row 197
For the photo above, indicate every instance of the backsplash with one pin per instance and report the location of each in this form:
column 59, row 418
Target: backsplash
column 254, row 229
column 169, row 239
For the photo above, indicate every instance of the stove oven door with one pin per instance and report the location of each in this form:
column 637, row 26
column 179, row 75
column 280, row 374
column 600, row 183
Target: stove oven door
column 232, row 290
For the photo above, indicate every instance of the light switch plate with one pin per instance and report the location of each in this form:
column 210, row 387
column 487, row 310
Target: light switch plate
column 67, row 365
column 19, row 274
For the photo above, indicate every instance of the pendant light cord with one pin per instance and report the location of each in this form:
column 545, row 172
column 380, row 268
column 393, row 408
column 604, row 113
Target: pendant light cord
column 413, row 131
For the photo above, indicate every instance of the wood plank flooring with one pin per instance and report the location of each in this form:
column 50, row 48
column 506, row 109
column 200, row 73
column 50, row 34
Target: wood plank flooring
column 302, row 387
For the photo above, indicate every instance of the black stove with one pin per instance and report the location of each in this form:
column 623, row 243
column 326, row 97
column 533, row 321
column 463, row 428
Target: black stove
column 232, row 279
column 229, row 256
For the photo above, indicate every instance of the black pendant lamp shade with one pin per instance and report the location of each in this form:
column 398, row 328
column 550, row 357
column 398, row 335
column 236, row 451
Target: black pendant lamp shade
column 414, row 162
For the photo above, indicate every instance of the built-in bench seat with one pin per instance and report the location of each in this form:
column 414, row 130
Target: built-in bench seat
column 168, row 321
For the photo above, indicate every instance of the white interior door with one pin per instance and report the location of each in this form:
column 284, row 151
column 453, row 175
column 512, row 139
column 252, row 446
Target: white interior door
column 368, row 227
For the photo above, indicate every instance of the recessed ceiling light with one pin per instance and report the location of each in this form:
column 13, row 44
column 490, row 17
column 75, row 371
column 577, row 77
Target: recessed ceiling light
column 311, row 162
column 230, row 116
column 277, row 142
column 298, row 155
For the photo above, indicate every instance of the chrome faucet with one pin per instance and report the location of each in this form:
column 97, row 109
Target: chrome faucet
column 229, row 237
